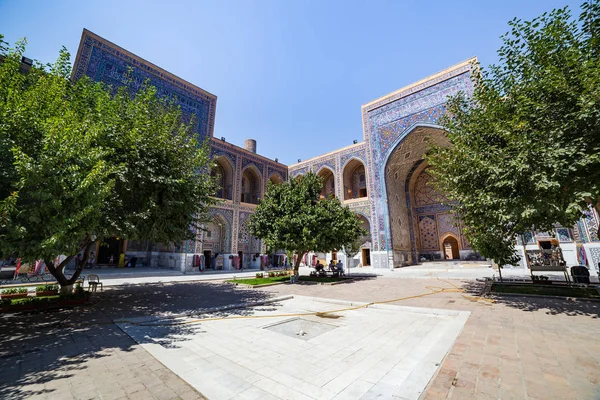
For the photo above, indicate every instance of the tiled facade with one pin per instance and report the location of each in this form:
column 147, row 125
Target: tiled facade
column 383, row 179
column 103, row 61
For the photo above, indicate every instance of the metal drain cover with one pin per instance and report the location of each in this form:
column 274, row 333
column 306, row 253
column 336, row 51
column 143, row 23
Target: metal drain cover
column 301, row 328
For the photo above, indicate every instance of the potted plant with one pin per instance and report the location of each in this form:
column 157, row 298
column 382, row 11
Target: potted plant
column 14, row 293
column 259, row 275
column 78, row 289
column 46, row 290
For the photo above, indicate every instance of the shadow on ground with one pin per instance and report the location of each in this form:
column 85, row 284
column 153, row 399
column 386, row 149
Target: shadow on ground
column 39, row 350
column 551, row 306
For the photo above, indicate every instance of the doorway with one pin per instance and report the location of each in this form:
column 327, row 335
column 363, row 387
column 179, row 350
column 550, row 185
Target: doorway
column 450, row 245
column 366, row 257
column 109, row 251
column 208, row 259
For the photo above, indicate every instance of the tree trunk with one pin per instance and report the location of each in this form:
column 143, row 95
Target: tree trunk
column 58, row 271
column 297, row 265
column 500, row 271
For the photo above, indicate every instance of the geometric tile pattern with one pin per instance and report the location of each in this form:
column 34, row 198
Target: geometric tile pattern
column 103, row 61
column 389, row 120
column 425, row 192
column 428, row 232
column 563, row 234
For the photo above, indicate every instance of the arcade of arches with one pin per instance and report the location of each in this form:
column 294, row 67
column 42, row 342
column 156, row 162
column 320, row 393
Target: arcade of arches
column 421, row 225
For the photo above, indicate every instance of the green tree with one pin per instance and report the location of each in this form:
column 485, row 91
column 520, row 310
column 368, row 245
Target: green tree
column 293, row 217
column 79, row 164
column 525, row 148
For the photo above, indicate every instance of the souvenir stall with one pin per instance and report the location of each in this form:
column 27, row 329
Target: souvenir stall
column 548, row 258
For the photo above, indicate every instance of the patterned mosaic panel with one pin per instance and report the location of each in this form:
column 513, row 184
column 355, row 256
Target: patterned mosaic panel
column 359, row 153
column 591, row 223
column 563, row 234
column 330, row 163
column 387, row 122
column 428, row 232
column 425, row 192
column 102, row 61
column 528, row 237
column 447, row 224
column 300, row 171
column 227, row 216
column 259, row 166
column 361, row 208
column 595, row 255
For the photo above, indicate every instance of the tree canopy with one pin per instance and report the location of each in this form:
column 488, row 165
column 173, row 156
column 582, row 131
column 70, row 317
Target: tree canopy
column 80, row 162
column 525, row 148
column 293, row 217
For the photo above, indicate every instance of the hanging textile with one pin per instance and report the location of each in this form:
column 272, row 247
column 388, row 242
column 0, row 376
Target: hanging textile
column 582, row 258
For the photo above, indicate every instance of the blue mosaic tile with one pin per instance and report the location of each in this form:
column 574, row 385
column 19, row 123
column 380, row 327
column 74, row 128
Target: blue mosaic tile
column 105, row 62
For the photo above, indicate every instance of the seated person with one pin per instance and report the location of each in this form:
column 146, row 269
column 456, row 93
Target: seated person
column 319, row 267
column 340, row 266
column 332, row 265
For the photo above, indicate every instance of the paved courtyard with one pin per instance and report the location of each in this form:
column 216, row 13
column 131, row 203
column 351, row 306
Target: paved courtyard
column 513, row 348
column 285, row 351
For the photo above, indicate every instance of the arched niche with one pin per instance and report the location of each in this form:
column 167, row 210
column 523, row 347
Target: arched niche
column 403, row 163
column 328, row 177
column 364, row 254
column 355, row 180
column 216, row 235
column 250, row 186
column 275, row 178
column 364, row 223
column 223, row 171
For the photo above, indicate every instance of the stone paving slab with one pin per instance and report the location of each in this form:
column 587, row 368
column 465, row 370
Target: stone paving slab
column 364, row 353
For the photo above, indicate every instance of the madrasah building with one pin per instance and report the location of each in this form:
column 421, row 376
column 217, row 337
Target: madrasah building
column 383, row 178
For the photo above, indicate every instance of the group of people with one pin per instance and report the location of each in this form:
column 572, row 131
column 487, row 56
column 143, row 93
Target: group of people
column 332, row 266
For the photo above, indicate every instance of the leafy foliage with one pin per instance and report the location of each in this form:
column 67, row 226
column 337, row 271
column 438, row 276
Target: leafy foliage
column 14, row 291
column 526, row 147
column 291, row 216
column 46, row 288
column 79, row 164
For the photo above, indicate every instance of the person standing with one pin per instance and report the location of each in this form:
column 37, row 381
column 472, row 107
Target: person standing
column 91, row 260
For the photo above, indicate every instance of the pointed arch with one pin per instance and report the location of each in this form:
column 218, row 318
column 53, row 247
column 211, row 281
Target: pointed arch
column 276, row 178
column 223, row 171
column 251, row 185
column 217, row 234
column 354, row 178
column 328, row 176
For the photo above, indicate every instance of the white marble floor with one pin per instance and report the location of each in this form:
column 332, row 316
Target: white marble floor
column 382, row 351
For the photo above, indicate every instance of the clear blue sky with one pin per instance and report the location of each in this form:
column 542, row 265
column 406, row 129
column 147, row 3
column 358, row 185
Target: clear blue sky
column 291, row 74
